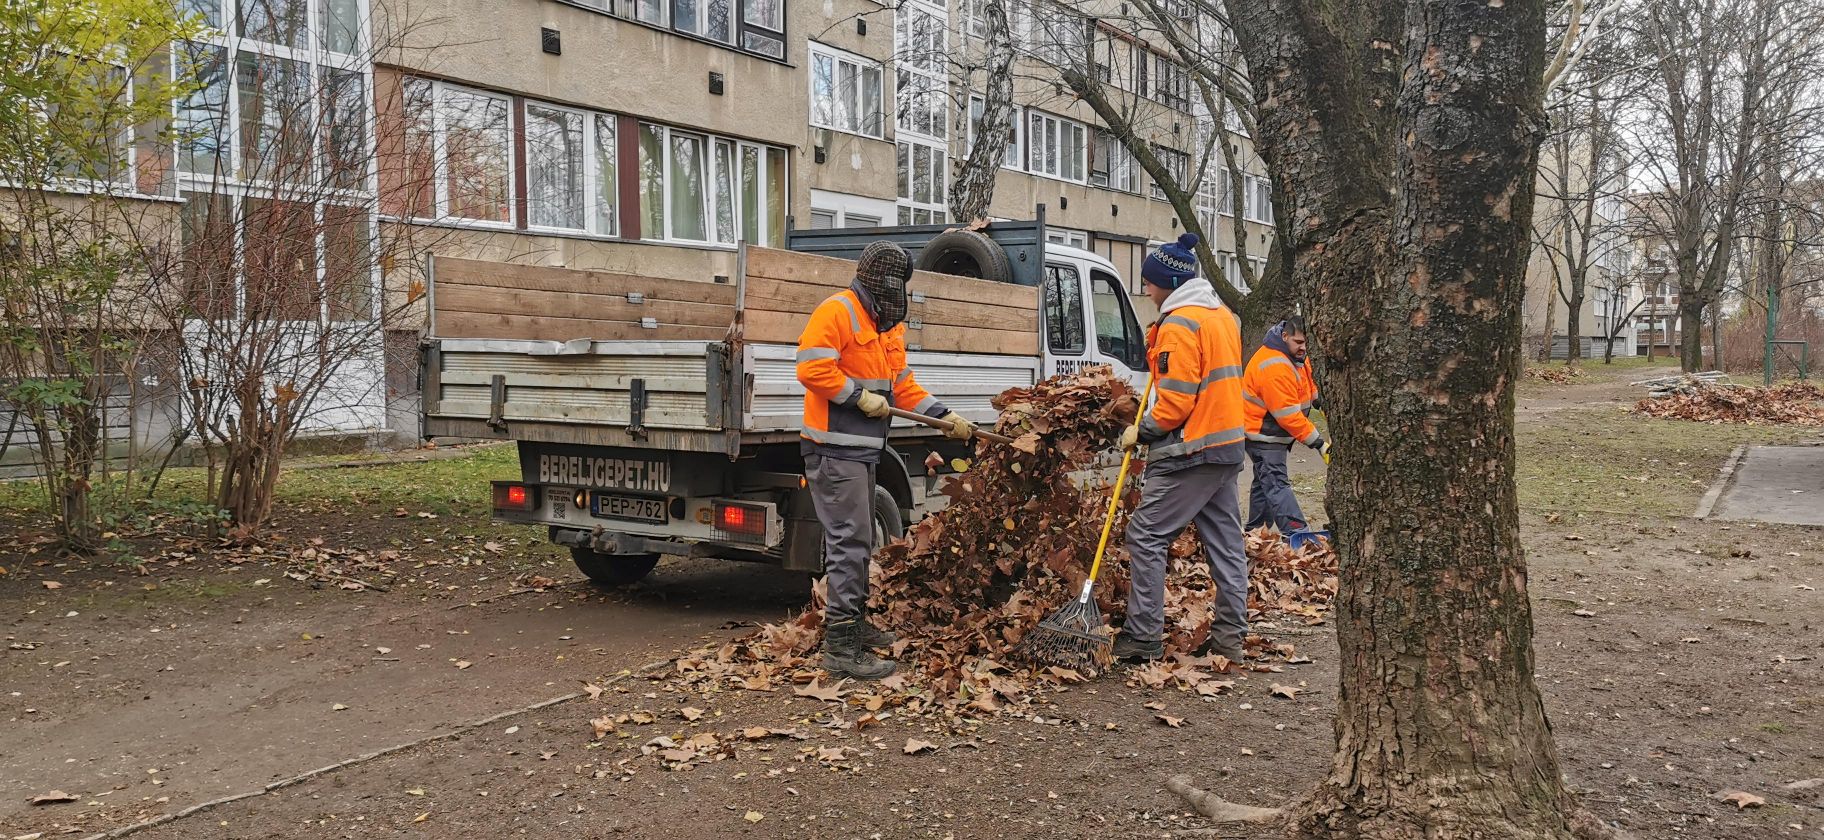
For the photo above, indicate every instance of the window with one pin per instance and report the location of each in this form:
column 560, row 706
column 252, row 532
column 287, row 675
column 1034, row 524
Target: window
column 1056, row 147
column 845, row 92
column 554, row 167
column 1260, row 200
column 1171, row 85
column 1112, row 165
column 702, row 188
column 202, row 117
column 1054, row 35
column 1225, row 188
column 274, row 96
column 1117, row 331
column 1067, row 236
column 283, row 23
column 1012, row 158
column 919, row 37
column 924, row 173
column 975, row 23
column 476, row 155
column 341, row 26
column 344, row 129
column 1063, row 308
column 1178, row 164
column 846, row 210
column 756, row 26
column 1105, row 58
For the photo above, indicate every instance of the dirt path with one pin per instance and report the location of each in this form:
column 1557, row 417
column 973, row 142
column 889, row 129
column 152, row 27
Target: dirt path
column 1679, row 659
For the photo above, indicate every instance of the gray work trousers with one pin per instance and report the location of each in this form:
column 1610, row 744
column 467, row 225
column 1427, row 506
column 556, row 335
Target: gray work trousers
column 1270, row 498
column 1209, row 495
column 843, row 493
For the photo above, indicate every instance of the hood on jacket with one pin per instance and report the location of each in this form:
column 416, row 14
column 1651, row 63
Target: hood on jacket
column 1276, row 339
column 1195, row 292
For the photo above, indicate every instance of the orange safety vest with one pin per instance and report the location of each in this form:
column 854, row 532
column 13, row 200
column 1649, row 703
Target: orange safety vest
column 1195, row 355
column 1278, row 392
column 840, row 353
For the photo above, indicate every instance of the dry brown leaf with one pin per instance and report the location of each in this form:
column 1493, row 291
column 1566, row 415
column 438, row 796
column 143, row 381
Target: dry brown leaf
column 1168, row 720
column 53, row 798
column 464, row 664
column 51, row 584
column 1740, row 798
column 754, row 816
column 691, row 713
column 1286, row 691
column 642, row 717
column 594, row 691
column 1156, row 705
column 422, row 817
column 826, row 693
column 914, row 746
column 603, row 725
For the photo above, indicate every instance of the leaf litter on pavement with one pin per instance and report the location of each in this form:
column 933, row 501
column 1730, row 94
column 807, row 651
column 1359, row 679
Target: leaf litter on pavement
column 966, row 584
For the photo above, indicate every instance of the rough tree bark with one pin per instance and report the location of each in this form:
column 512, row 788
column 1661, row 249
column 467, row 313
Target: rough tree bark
column 973, row 189
column 1405, row 137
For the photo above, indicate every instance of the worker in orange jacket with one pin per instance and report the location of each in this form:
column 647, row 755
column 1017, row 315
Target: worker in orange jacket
column 1278, row 391
column 852, row 363
column 1194, row 433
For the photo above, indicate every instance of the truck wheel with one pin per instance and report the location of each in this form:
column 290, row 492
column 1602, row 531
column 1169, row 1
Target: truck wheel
column 613, row 569
column 965, row 253
column 888, row 525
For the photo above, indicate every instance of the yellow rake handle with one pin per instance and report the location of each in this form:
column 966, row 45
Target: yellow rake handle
column 1114, row 501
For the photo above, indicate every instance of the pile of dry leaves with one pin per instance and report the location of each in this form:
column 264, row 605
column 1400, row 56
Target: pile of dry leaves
column 1014, row 544
column 1791, row 403
column 1555, row 374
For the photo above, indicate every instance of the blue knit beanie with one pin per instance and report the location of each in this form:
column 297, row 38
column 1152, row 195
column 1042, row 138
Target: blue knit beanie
column 1173, row 264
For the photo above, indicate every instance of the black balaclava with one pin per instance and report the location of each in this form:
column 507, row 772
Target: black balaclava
column 882, row 273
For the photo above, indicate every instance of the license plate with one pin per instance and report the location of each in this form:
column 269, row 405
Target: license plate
column 630, row 508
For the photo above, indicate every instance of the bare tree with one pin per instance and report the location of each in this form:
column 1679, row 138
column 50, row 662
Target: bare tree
column 1723, row 71
column 973, row 188
column 1404, row 137
column 274, row 292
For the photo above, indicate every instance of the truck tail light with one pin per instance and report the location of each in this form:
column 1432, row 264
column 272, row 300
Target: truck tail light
column 741, row 522
column 509, row 496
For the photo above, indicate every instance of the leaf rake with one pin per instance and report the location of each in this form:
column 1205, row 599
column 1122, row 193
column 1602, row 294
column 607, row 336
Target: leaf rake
column 1075, row 636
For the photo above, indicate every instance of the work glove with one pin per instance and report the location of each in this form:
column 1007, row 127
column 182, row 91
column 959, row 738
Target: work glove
column 872, row 404
column 1324, row 450
column 960, row 427
column 1130, row 437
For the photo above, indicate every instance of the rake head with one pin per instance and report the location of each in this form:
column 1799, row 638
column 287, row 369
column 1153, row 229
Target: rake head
column 1073, row 637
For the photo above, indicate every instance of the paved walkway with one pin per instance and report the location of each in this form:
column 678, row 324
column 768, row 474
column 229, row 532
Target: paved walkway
column 1777, row 484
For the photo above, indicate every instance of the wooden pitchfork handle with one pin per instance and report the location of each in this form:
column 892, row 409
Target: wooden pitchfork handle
column 935, row 423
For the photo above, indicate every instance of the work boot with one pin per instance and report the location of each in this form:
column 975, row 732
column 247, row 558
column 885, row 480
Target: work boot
column 844, row 654
column 1128, row 648
column 1231, row 652
column 874, row 637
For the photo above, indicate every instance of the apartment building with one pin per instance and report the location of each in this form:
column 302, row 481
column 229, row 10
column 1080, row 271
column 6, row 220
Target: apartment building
column 654, row 136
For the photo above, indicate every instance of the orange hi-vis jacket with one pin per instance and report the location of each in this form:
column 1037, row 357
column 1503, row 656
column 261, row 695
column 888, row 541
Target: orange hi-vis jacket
column 840, row 353
column 1278, row 392
column 1195, row 354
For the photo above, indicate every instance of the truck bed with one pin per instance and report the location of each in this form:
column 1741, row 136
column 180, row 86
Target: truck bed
column 559, row 355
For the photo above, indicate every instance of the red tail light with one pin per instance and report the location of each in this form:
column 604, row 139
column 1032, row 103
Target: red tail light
column 741, row 520
column 514, row 497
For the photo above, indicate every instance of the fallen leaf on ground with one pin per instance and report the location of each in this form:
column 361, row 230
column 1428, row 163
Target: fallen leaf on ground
column 416, row 791
column 52, row 798
column 1286, row 691
column 338, row 707
column 1168, row 720
column 1156, row 705
column 642, row 717
column 754, row 816
column 464, row 664
column 1582, row 613
column 422, row 817
column 827, row 693
column 1741, row 799
column 914, row 746
column 51, row 584
column 594, row 691
column 1803, row 784
column 691, row 713
column 603, row 725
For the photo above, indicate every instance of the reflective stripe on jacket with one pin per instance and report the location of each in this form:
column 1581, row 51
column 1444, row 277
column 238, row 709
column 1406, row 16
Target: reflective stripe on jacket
column 839, row 355
column 1278, row 392
column 1194, row 351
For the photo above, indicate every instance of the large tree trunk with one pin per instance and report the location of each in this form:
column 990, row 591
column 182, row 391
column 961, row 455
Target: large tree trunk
column 973, row 189
column 1406, row 137
column 1573, row 323
column 1690, row 333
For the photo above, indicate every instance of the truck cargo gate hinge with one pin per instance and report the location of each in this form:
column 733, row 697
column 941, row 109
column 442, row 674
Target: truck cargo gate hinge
column 636, row 409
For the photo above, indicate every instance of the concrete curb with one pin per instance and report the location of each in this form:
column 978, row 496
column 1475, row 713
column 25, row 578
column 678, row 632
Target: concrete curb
column 366, row 757
column 1723, row 477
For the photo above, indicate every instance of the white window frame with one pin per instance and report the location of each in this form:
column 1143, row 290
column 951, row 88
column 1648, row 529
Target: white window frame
column 1067, row 236
column 1164, row 154
column 1015, row 158
column 441, row 164
column 1259, row 194
column 1120, row 163
column 906, row 183
column 592, row 175
column 868, row 125
column 932, row 72
column 1056, row 126
column 767, row 212
column 843, row 206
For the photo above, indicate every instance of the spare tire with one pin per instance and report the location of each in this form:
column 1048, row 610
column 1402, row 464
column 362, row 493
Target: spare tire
column 966, row 253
